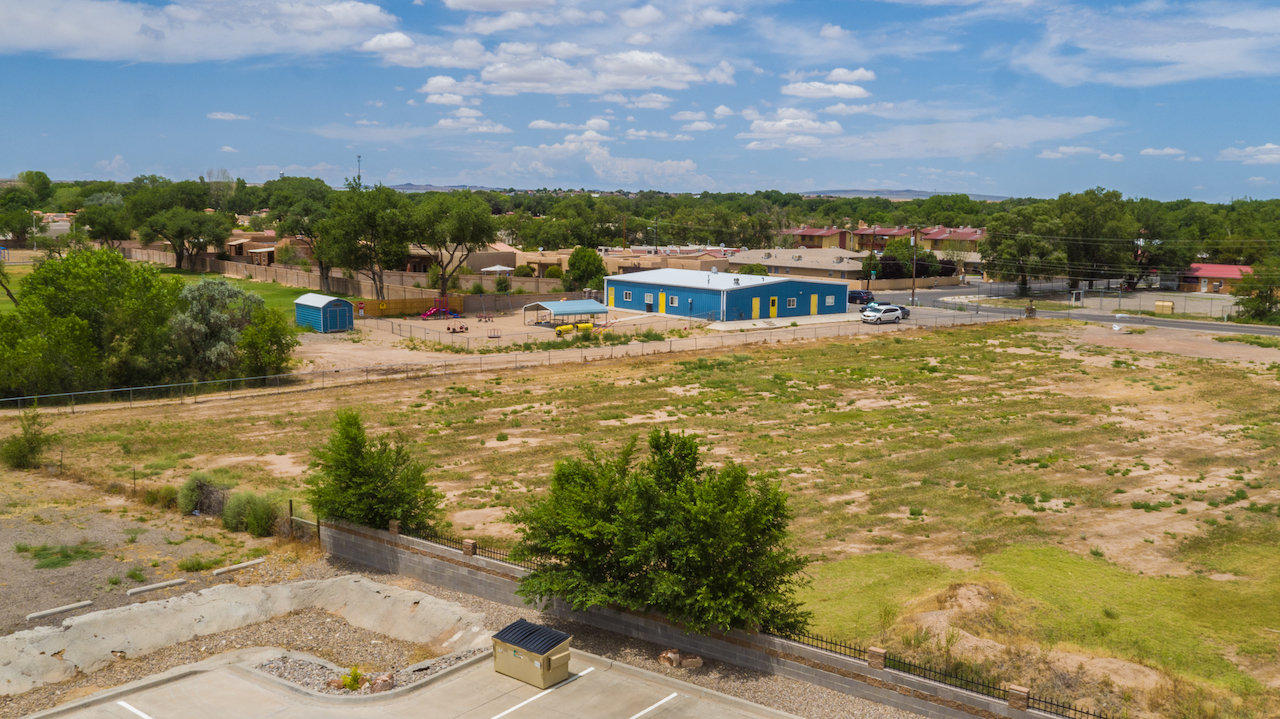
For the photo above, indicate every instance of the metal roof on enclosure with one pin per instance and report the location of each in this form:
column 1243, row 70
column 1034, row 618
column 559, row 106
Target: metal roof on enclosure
column 533, row 638
column 569, row 308
column 312, row 299
column 675, row 277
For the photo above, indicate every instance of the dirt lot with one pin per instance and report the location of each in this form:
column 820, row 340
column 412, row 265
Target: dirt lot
column 1092, row 484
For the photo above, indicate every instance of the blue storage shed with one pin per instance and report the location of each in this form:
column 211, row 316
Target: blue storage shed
column 723, row 295
column 323, row 313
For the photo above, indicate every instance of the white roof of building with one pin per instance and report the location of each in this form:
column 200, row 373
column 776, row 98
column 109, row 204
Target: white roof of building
column 312, row 299
column 675, row 277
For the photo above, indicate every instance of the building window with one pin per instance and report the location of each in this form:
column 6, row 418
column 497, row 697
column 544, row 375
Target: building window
column 791, row 303
column 626, row 295
column 673, row 301
column 648, row 298
column 831, row 300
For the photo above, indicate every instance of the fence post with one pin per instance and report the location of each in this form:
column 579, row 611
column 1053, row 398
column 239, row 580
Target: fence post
column 875, row 657
column 1018, row 696
column 469, row 547
column 393, row 526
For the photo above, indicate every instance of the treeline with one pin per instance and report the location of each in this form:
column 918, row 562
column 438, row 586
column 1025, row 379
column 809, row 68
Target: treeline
column 92, row 320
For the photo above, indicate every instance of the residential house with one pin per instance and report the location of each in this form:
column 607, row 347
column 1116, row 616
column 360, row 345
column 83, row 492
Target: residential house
column 829, row 263
column 817, row 237
column 1208, row 277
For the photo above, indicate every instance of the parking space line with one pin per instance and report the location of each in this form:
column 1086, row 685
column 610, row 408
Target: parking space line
column 131, row 708
column 539, row 695
column 653, row 706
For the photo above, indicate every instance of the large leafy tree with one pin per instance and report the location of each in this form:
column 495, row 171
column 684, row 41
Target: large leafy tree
column 299, row 205
column 1097, row 232
column 187, row 232
column 1017, row 248
column 586, row 269
column 371, row 481
column 18, row 225
column 107, row 225
column 38, row 182
column 368, row 232
column 451, row 226
column 1258, row 292
column 206, row 329
column 707, row 547
column 265, row 345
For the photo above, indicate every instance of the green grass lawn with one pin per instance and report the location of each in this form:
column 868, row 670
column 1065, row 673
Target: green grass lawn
column 276, row 296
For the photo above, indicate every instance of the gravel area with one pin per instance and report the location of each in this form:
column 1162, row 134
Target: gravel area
column 312, row 631
column 315, row 676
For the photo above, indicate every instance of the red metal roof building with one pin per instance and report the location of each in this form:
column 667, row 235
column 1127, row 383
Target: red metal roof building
column 819, row 236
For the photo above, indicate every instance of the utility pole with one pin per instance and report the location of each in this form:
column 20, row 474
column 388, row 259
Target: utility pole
column 359, row 174
column 913, row 268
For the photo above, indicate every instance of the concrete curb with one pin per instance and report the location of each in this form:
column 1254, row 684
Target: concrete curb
column 153, row 587
column 59, row 610
column 238, row 567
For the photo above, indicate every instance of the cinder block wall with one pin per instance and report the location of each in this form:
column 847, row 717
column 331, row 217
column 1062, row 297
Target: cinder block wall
column 497, row 581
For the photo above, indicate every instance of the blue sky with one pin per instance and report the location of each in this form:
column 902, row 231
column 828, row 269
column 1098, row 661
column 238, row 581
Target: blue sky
column 1014, row 97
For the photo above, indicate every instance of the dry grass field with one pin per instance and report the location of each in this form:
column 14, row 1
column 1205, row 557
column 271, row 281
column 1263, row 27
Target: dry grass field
column 1089, row 512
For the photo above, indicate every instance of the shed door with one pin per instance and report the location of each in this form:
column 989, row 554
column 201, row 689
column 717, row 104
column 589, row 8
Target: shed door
column 755, row 308
column 813, row 304
column 1204, row 284
column 773, row 306
column 662, row 303
column 332, row 320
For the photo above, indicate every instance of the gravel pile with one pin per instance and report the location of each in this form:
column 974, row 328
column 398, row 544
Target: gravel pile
column 314, row 676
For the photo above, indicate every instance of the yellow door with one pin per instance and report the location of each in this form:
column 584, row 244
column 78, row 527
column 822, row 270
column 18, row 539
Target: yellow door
column 813, row 304
column 773, row 306
column 755, row 308
column 611, row 297
column 662, row 303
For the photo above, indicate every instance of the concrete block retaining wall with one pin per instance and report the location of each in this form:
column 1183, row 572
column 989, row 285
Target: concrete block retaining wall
column 497, row 581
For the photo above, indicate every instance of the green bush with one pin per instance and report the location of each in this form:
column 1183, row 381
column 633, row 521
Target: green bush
column 523, row 271
column 502, row 284
column 554, row 272
column 165, row 497
column 252, row 513
column 24, row 449
column 476, row 289
column 197, row 563
column 201, row 492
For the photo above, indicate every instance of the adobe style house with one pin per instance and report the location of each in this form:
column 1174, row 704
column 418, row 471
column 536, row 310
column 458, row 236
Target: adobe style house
column 874, row 239
column 818, row 237
column 823, row 263
column 1208, row 277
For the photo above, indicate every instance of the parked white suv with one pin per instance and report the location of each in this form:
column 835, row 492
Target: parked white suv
column 882, row 313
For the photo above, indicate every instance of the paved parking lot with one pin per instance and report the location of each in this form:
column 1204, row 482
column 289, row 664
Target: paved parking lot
column 596, row 688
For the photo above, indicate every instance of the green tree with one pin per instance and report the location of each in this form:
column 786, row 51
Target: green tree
column 586, row 269
column 38, row 183
column 1258, row 292
column 370, row 482
column 709, row 548
column 367, row 232
column 187, row 232
column 19, row 225
column 450, row 227
column 299, row 209
column 207, row 327
column 1016, row 249
column 107, row 225
column 755, row 268
column 266, row 344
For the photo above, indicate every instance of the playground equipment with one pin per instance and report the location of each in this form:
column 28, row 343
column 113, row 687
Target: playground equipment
column 440, row 313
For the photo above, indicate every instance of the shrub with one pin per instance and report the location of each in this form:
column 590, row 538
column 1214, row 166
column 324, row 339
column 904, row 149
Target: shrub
column 353, row 680
column 523, row 271
column 502, row 437
column 24, row 449
column 165, row 497
column 554, row 272
column 197, row 563
column 371, row 482
column 502, row 284
column 202, row 493
column 476, row 289
column 252, row 513
column 136, row 575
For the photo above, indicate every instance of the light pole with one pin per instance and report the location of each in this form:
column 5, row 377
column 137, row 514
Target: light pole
column 913, row 268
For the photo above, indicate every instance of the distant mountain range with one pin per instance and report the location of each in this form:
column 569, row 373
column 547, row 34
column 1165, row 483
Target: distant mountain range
column 902, row 195
column 410, row 187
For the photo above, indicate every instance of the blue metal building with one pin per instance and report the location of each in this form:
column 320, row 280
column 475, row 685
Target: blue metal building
column 723, row 295
column 323, row 313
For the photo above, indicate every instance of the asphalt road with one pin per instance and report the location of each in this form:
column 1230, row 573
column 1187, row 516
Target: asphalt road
column 934, row 298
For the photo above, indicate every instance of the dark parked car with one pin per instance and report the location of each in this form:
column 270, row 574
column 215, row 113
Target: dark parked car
column 906, row 311
column 860, row 297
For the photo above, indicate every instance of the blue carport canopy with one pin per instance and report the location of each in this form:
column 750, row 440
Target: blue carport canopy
column 566, row 308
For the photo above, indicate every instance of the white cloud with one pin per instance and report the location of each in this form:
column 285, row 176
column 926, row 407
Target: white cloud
column 1162, row 152
column 187, row 30
column 1063, row 151
column 723, row 111
column 832, row 32
column 841, row 74
column 444, row 98
column 226, row 116
column 595, row 123
column 641, row 16
column 722, row 73
column 647, row 101
column 115, row 167
column 689, row 116
column 906, row 110
column 397, row 48
column 469, row 120
column 497, row 5
column 814, row 89
column 1258, row 180
column 634, row 134
column 1153, row 43
column 587, row 136
column 639, row 38
column 1116, row 157
column 566, row 50
column 227, row 148
column 788, row 121
column 699, row 126
column 593, row 161
column 715, row 16
column 1268, row 154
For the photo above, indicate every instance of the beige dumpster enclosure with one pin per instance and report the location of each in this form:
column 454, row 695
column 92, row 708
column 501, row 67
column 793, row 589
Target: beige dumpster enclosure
column 532, row 653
